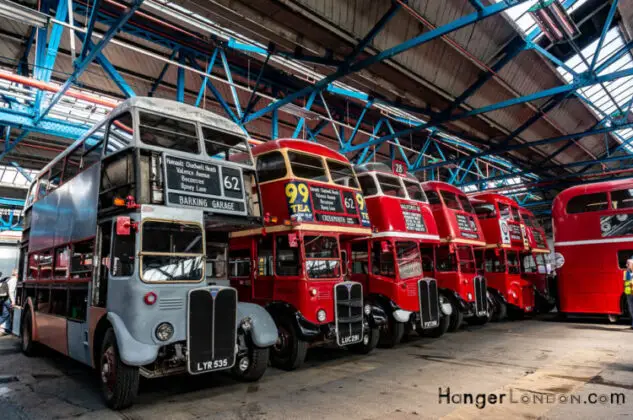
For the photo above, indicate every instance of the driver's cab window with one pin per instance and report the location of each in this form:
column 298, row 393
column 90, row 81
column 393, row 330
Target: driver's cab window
column 382, row 262
column 445, row 259
column 286, row 256
column 271, row 166
column 360, row 258
column 428, row 259
column 216, row 262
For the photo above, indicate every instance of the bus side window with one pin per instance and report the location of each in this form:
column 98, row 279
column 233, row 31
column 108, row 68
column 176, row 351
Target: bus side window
column 72, row 160
column 56, row 175
column 271, row 166
column 495, row 261
column 100, row 286
column 587, row 202
column 265, row 256
column 42, row 186
column 92, row 155
column 433, row 197
column 120, row 133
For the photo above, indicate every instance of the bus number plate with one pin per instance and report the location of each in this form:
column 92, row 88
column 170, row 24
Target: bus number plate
column 209, row 365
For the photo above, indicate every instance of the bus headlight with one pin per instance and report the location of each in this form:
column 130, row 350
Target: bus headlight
column 367, row 310
column 164, row 331
column 321, row 315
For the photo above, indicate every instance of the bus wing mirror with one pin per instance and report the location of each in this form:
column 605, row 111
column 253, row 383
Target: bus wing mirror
column 123, row 226
column 384, row 245
column 293, row 241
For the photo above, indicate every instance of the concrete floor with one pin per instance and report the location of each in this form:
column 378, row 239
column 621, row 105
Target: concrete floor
column 524, row 359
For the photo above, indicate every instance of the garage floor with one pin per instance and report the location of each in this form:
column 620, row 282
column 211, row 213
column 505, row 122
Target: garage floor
column 532, row 360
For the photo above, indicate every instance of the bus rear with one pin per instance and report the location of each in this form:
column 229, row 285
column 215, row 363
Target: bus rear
column 593, row 238
column 453, row 260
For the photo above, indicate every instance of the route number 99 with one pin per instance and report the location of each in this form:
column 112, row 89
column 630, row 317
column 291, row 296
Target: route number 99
column 361, row 201
column 294, row 191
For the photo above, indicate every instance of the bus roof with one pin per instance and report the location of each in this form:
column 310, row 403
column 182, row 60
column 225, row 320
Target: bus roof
column 160, row 106
column 597, row 187
column 380, row 167
column 439, row 185
column 492, row 197
column 301, row 145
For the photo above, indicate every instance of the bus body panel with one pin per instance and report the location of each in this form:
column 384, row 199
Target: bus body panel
column 67, row 214
column 595, row 239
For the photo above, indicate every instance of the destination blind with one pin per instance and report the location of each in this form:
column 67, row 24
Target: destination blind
column 468, row 228
column 204, row 185
column 412, row 218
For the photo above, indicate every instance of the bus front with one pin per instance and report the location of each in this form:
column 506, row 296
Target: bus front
column 500, row 259
column 389, row 263
column 312, row 205
column 453, row 260
column 535, row 267
column 175, row 180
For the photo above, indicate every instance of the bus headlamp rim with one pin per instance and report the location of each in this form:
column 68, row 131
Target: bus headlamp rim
column 321, row 315
column 164, row 331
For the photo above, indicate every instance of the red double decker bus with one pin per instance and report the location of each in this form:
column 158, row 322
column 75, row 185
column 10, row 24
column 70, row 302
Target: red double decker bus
column 452, row 262
column 593, row 238
column 500, row 258
column 535, row 267
column 388, row 263
column 293, row 266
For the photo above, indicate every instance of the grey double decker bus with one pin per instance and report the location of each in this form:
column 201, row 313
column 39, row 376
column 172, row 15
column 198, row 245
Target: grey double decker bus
column 114, row 262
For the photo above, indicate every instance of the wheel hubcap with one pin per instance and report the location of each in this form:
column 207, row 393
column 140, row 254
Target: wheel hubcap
column 108, row 373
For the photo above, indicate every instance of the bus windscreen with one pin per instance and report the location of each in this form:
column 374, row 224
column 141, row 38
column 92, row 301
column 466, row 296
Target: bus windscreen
column 167, row 132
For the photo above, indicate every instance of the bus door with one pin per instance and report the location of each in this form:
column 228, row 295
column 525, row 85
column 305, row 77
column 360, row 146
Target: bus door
column 264, row 281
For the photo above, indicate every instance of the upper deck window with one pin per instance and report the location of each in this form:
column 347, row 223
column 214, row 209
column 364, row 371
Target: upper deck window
column 433, row 197
column 167, row 132
column 342, row 173
column 224, row 145
column 465, row 203
column 450, row 200
column 504, row 212
column 308, row 167
column 587, row 203
column 415, row 190
column 622, row 199
column 390, row 185
column 368, row 185
column 515, row 214
column 485, row 210
column 271, row 166
column 526, row 219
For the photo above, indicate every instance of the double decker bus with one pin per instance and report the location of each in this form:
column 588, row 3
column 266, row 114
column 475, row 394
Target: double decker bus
column 535, row 267
column 389, row 263
column 293, row 266
column 500, row 258
column 452, row 262
column 593, row 238
column 112, row 262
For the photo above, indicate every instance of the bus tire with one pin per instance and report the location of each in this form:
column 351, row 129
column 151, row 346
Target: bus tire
column 26, row 334
column 257, row 364
column 289, row 352
column 391, row 333
column 438, row 331
column 456, row 318
column 119, row 382
column 369, row 343
column 501, row 311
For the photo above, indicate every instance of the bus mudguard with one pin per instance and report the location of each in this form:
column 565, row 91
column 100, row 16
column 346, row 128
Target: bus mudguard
column 262, row 329
column 131, row 351
column 377, row 316
column 463, row 306
column 307, row 330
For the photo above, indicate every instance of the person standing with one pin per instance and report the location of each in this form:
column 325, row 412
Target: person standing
column 7, row 298
column 628, row 286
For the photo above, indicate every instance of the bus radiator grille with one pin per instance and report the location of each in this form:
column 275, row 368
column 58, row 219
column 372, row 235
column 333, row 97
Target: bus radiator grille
column 429, row 303
column 348, row 301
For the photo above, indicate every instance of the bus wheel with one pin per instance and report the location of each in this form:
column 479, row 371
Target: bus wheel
column 26, row 335
column 119, row 382
column 251, row 368
column 501, row 309
column 438, row 331
column 391, row 333
column 290, row 351
column 370, row 341
column 456, row 317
